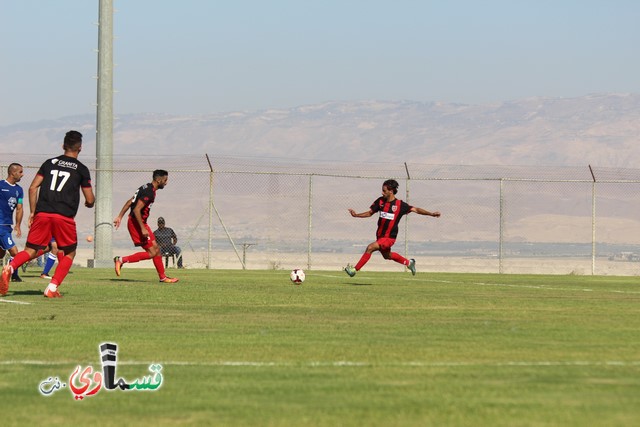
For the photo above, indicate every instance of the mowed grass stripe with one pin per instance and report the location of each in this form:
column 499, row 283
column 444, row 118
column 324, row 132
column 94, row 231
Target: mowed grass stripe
column 248, row 348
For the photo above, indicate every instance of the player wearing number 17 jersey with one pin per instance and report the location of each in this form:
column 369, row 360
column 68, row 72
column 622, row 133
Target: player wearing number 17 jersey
column 391, row 210
column 54, row 196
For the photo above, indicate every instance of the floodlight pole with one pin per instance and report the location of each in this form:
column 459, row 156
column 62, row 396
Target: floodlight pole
column 104, row 139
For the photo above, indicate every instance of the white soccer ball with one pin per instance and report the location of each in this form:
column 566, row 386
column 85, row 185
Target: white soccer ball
column 297, row 276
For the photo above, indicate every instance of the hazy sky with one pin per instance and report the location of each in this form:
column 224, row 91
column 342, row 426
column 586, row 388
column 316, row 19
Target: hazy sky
column 207, row 56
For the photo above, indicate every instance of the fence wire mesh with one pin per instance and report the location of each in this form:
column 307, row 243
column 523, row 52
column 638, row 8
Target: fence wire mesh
column 278, row 214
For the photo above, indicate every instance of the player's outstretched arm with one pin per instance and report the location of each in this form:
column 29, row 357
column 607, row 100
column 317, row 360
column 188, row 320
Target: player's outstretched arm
column 366, row 214
column 421, row 211
column 118, row 219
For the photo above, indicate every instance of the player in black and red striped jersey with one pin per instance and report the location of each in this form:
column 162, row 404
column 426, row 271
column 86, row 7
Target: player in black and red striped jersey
column 54, row 196
column 391, row 210
column 141, row 234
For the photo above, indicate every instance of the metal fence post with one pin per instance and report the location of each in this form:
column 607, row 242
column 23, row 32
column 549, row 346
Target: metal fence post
column 593, row 222
column 310, row 224
column 406, row 221
column 501, row 236
column 210, row 230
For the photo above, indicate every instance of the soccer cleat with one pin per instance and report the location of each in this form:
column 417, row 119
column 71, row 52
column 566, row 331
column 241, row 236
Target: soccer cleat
column 117, row 265
column 351, row 271
column 16, row 279
column 168, row 280
column 44, row 276
column 52, row 294
column 4, row 279
column 412, row 266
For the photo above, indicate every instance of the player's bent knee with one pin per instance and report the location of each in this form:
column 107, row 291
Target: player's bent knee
column 66, row 250
column 35, row 248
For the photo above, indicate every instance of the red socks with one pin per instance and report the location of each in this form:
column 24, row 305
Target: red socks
column 399, row 258
column 363, row 260
column 157, row 261
column 19, row 259
column 64, row 265
column 394, row 256
column 137, row 257
column 143, row 256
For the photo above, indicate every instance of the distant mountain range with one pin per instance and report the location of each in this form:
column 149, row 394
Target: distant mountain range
column 599, row 130
column 602, row 129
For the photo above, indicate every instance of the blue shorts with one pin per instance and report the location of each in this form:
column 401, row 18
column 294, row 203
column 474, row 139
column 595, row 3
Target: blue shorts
column 6, row 241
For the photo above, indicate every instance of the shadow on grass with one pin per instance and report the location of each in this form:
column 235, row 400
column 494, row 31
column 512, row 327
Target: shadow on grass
column 361, row 284
column 27, row 292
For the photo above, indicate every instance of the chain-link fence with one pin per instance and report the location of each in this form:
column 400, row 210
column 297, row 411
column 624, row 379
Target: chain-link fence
column 279, row 214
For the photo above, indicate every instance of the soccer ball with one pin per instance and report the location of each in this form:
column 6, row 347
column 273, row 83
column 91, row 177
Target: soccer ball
column 297, row 276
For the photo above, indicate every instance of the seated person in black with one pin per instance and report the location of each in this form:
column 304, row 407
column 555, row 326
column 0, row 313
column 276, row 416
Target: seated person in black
column 167, row 240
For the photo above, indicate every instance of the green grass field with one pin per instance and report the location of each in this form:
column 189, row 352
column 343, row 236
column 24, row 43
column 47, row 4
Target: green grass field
column 248, row 348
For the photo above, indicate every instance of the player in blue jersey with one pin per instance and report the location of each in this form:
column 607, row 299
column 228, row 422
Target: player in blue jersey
column 390, row 210
column 11, row 195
